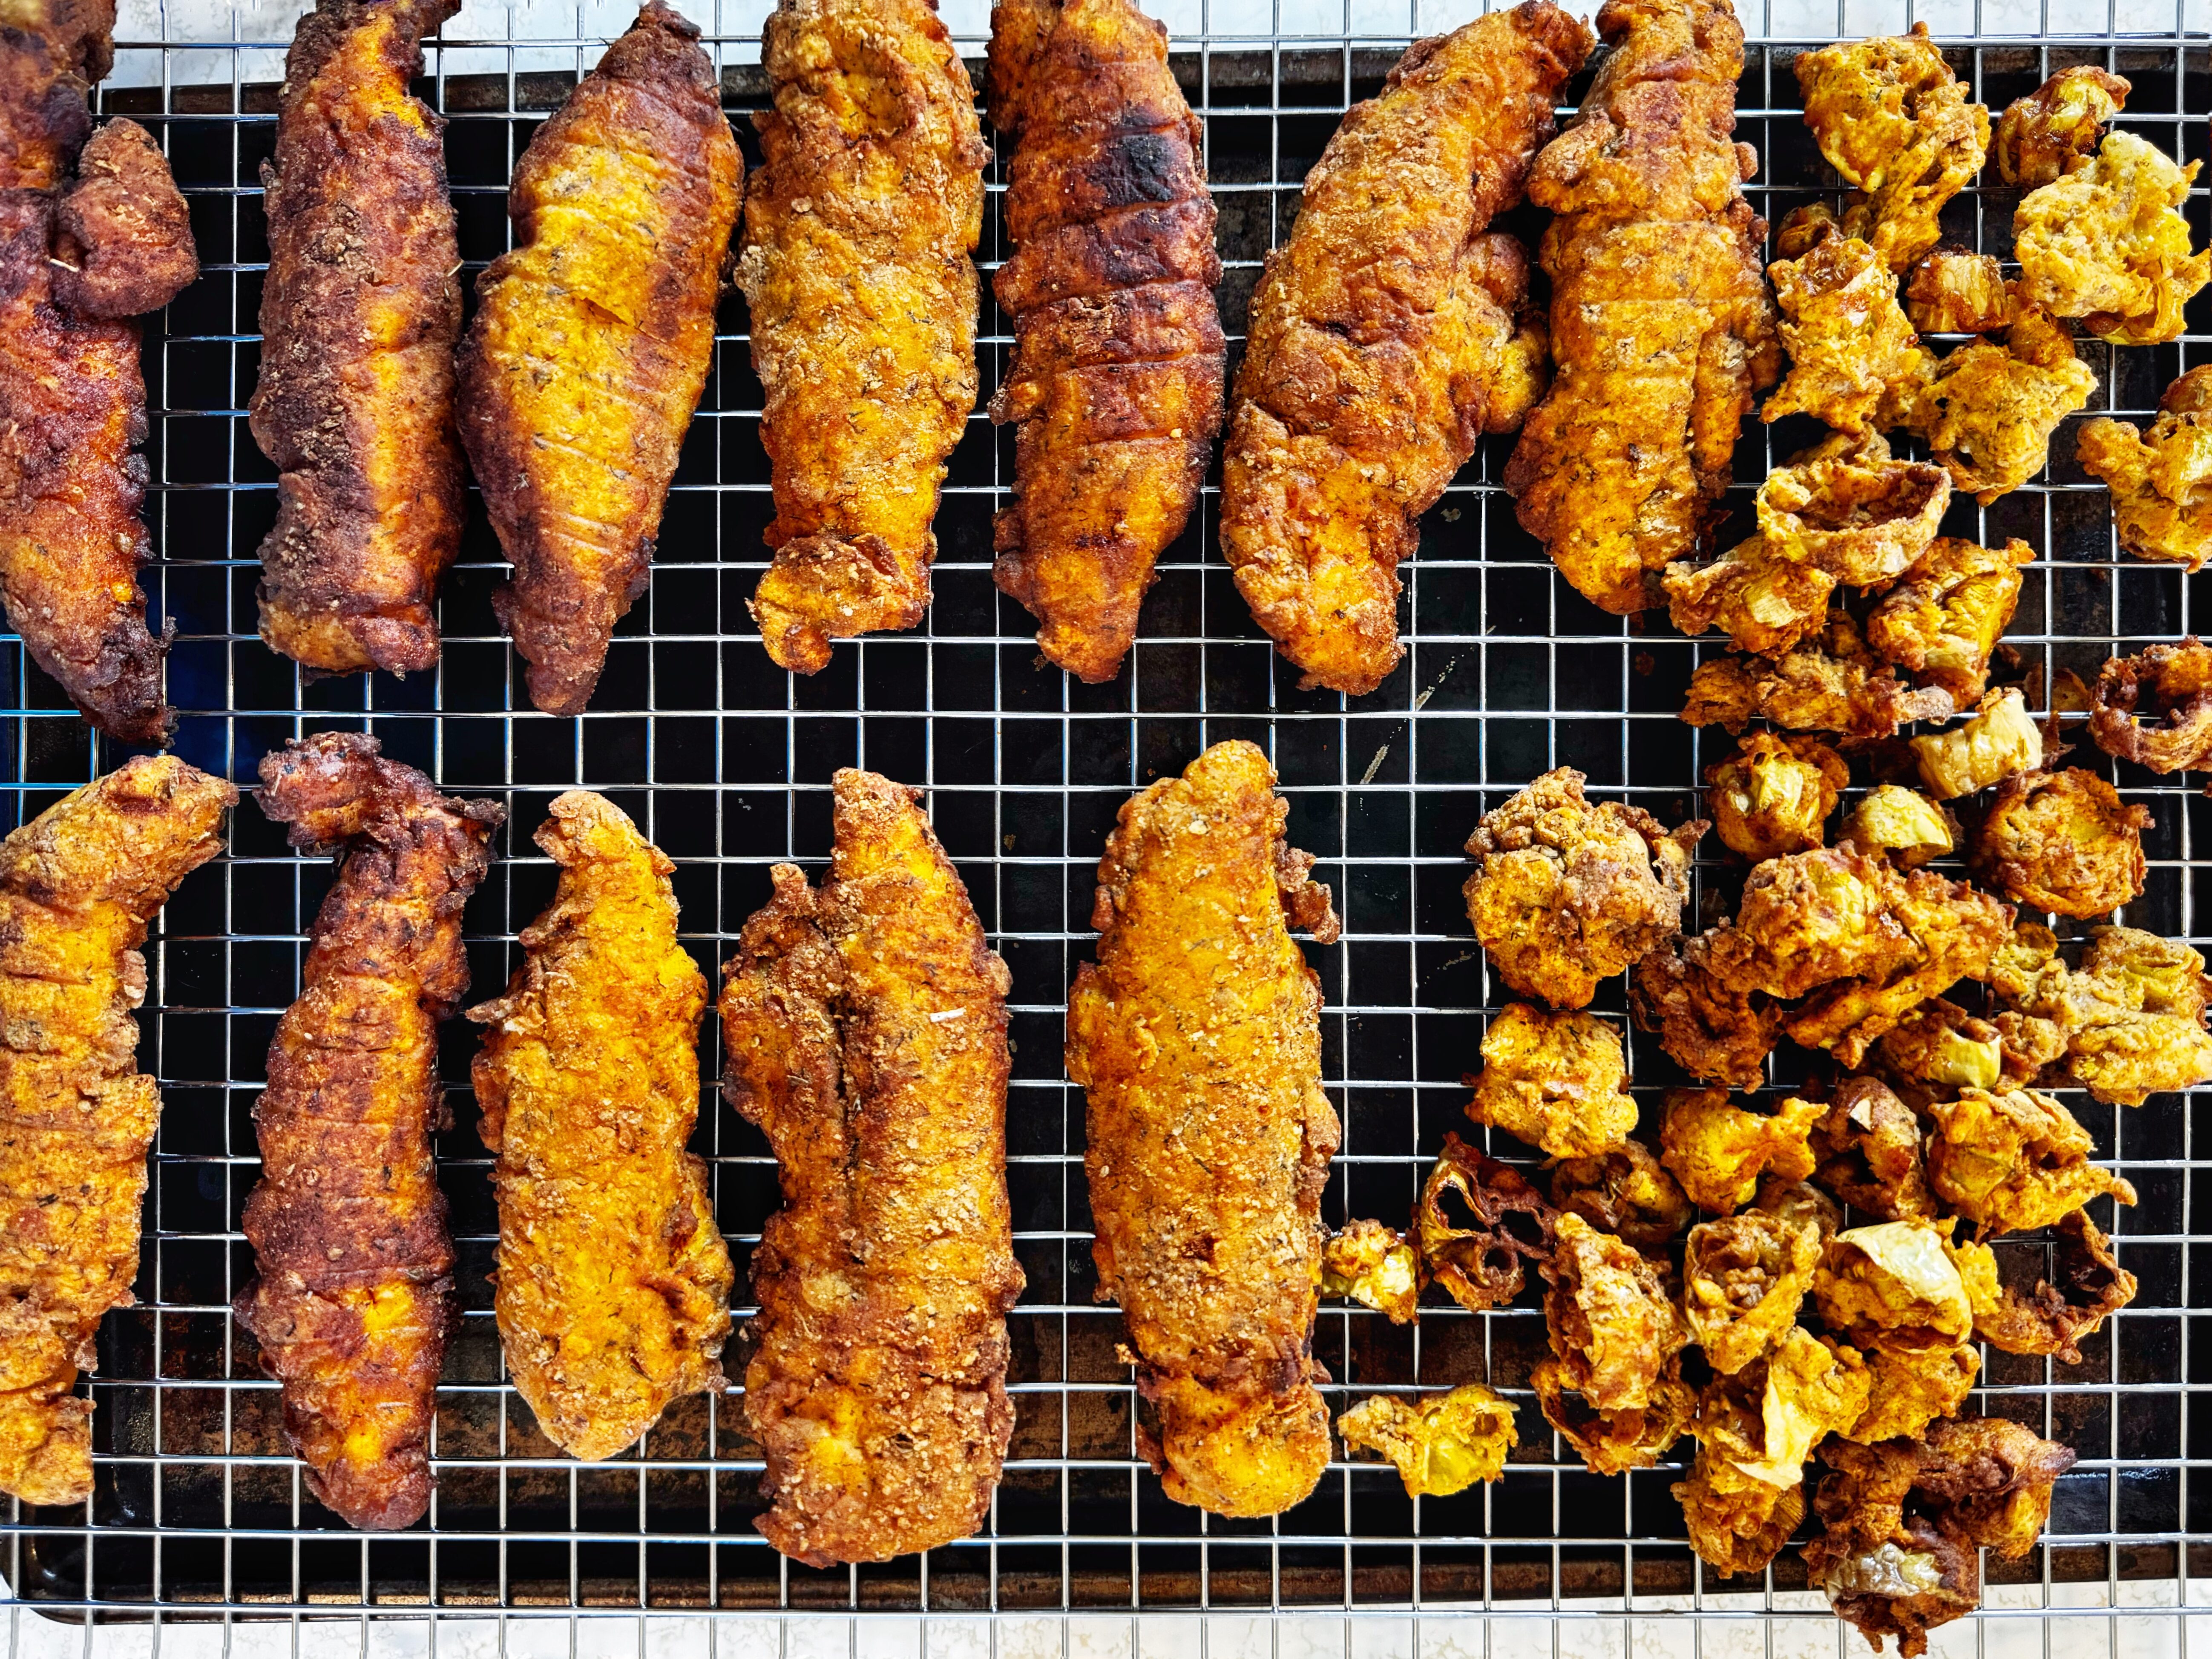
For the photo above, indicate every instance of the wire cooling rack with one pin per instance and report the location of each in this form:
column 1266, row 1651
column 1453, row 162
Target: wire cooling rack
column 726, row 762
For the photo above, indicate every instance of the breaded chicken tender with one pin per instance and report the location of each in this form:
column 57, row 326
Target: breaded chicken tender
column 1831, row 681
column 1763, row 600
column 1624, row 1190
column 1868, row 1147
column 1848, row 340
column 2160, row 480
column 2171, row 685
column 865, row 1026
column 1720, row 1152
column 1439, row 1444
column 78, row 884
column 613, row 1283
column 1987, row 411
column 1387, row 336
column 352, row 1297
column 1661, row 329
column 1774, row 794
column 1944, row 617
column 123, row 234
column 2062, row 841
column 2015, row 1160
column 1557, row 1080
column 859, row 228
column 1197, row 1040
column 1743, row 1277
column 2108, row 243
column 2128, row 1022
column 1114, row 389
column 1714, row 1033
column 2054, row 130
column 2087, row 1284
column 1955, row 290
column 591, row 340
column 1567, row 893
column 1615, row 1325
column 1484, row 1266
column 1903, row 823
column 359, row 315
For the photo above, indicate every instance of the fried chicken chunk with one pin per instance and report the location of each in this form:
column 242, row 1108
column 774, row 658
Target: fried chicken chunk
column 1557, row 1080
column 1482, row 1266
column 2013, row 1160
column 1987, row 411
column 1719, row 1151
column 1624, row 1190
column 2054, row 130
column 1941, row 622
column 1714, row 1033
column 1827, row 682
column 1742, row 1280
column 1893, row 1286
column 1868, row 1147
column 1662, row 328
column 1913, row 1387
column 1901, row 823
column 864, row 1024
column 1891, row 117
column 2062, row 841
column 352, row 1297
column 1375, row 1266
column 613, row 1283
column 123, row 234
column 1763, row 600
column 78, row 884
column 1567, row 892
column 2177, row 680
column 1774, row 794
column 2087, row 1283
column 1613, row 1324
column 2128, row 1023
column 1197, row 1038
column 2160, row 480
column 591, row 340
column 1847, row 338
column 1440, row 1445
column 1114, row 391
column 1955, row 291
column 1387, row 336
column 1630, row 1437
column 2108, row 243
column 1999, row 740
column 855, row 265
column 363, row 305
column 1850, row 509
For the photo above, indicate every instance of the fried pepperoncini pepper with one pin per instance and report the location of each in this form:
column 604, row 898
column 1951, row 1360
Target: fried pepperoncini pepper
column 1114, row 389
column 1661, row 327
column 613, row 1283
column 858, row 227
column 92, row 234
column 1197, row 1039
column 352, row 1301
column 354, row 407
column 1387, row 336
column 591, row 340
column 865, row 1026
column 77, row 886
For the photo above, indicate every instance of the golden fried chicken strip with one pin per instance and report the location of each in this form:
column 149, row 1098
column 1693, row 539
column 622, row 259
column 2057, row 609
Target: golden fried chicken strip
column 613, row 1283
column 858, row 227
column 1114, row 391
column 1387, row 336
column 2160, row 480
column 2108, row 243
column 352, row 1298
column 359, row 315
column 1988, row 410
column 78, row 884
column 1847, row 337
column 592, row 339
column 864, row 1023
column 1662, row 328
column 1197, row 1037
column 2054, row 130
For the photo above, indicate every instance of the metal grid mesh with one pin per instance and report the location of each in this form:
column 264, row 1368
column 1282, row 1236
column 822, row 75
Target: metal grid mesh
column 726, row 762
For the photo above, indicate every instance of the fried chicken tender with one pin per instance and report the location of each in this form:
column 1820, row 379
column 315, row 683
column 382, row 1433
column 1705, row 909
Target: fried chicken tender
column 1848, row 508
column 1999, row 740
column 1743, row 1279
column 2160, row 480
column 1482, row 1266
column 1613, row 1324
column 1197, row 1038
column 613, row 1282
column 2062, row 841
column 78, row 884
column 1116, row 387
column 1567, row 892
column 1440, row 1445
column 1830, row 681
column 2012, row 1161
column 2128, row 1023
column 1719, row 1151
column 352, row 1297
column 2087, row 1284
column 1893, row 1286
column 1868, row 1147
column 2108, row 243
column 1902, row 822
column 1624, row 1190
column 1557, row 1080
column 591, row 340
column 1612, row 1443
column 1661, row 329
column 1375, row 1266
column 2177, row 678
column 1913, row 1389
column 1714, row 1033
column 1943, row 619
column 1774, row 794
column 855, row 264
column 1387, row 336
column 1987, row 411
column 864, row 1023
column 1955, row 290
column 2054, row 130
column 1846, row 335
column 359, row 316
column 1891, row 117
column 1763, row 600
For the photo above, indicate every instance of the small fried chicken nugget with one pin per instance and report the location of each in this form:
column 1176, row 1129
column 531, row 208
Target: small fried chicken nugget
column 1868, row 1145
column 1893, row 1285
column 1773, row 795
column 1624, row 1190
column 2013, row 1160
column 1849, row 507
column 1955, row 291
column 1913, row 1388
column 1375, row 1266
column 2128, row 1023
column 1614, row 1323
column 1902, row 822
column 2160, row 480
column 1557, row 1080
column 123, row 241
column 1719, row 1153
column 1612, row 1443
column 1567, row 892
column 2171, row 685
column 1987, row 411
column 2108, row 243
column 2086, row 1283
column 1482, row 1266
column 1743, row 1277
column 2054, row 130
column 1440, row 1444
column 1847, row 338
column 1762, row 600
column 1714, row 1033
column 1999, row 740
column 2062, row 841
column 1943, row 619
column 1829, row 681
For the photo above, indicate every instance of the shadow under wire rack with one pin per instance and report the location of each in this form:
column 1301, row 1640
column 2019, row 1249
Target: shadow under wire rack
column 724, row 761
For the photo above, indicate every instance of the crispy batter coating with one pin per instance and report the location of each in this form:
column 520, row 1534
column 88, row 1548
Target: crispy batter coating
column 2013, row 1160
column 359, row 315
column 1893, row 1286
column 1624, row 1190
column 1612, row 1443
column 1828, row 681
column 1901, row 823
column 1715, row 1034
column 78, row 884
column 1743, row 1279
column 352, row 1297
column 1848, row 508
column 2160, row 480
column 855, row 265
column 1763, row 600
column 2062, row 841
column 1661, row 329
column 1941, row 622
column 1941, row 1048
column 1999, row 740
column 1719, row 1151
column 1868, row 1145
column 1614, row 1323
column 1891, row 117
column 1114, row 389
column 2087, row 1283
column 2108, row 243
column 2128, row 1023
column 1774, row 794
column 1482, row 1266
column 1913, row 1388
column 1955, row 290
column 864, row 1023
column 1387, row 336
column 613, row 1283
column 1567, row 892
column 592, row 339
column 2171, row 685
column 1801, row 1202
column 1846, row 335
column 124, row 234
column 1440, row 1444
column 2054, row 130
column 1197, row 1037
column 1987, row 411
column 1810, row 918
column 1375, row 1266
column 1557, row 1080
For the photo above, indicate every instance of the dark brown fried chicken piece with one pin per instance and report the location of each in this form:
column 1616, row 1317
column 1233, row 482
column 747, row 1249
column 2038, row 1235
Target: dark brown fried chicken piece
column 2062, row 841
column 2055, row 130
column 1714, row 1033
column 123, row 242
column 1483, row 1265
column 1773, row 795
column 2170, row 685
column 1829, row 681
column 2087, row 1284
